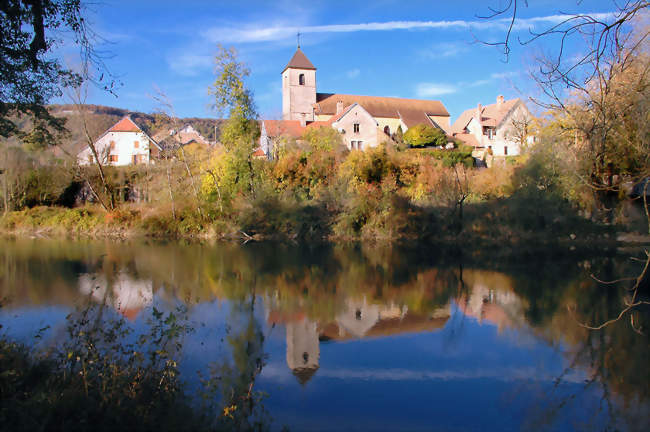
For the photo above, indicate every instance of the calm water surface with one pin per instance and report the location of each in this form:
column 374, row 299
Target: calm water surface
column 367, row 337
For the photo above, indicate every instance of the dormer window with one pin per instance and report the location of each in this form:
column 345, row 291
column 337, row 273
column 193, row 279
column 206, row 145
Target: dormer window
column 301, row 79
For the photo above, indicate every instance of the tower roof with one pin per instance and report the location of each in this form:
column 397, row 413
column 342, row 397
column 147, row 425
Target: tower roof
column 299, row 61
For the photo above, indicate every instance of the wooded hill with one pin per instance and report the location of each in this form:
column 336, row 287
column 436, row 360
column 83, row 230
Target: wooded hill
column 99, row 118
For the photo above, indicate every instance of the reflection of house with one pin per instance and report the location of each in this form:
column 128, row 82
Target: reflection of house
column 492, row 304
column 363, row 320
column 358, row 320
column 124, row 293
column 363, row 121
column 123, row 144
column 302, row 349
column 498, row 128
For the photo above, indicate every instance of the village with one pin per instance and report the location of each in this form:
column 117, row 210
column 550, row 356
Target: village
column 493, row 131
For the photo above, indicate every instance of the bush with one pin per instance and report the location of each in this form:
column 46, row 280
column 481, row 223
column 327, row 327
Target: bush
column 423, row 135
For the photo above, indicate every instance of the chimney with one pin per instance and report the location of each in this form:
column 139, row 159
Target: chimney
column 303, row 120
column 339, row 107
column 500, row 101
column 479, row 111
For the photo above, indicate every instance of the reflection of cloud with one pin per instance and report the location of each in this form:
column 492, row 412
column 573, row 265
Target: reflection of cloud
column 262, row 33
column 507, row 374
column 124, row 293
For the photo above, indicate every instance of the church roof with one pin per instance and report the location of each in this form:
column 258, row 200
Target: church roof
column 411, row 111
column 125, row 125
column 299, row 61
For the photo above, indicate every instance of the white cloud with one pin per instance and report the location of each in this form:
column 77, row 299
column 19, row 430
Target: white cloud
column 427, row 90
column 189, row 64
column 443, row 50
column 353, row 73
column 235, row 34
column 504, row 75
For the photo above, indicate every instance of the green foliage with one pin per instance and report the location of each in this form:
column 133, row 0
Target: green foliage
column 99, row 380
column 422, row 135
column 323, row 138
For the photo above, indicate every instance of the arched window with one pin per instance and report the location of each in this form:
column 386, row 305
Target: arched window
column 387, row 130
column 301, row 79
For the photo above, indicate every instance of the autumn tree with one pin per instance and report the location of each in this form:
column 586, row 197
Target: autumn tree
column 240, row 133
column 422, row 135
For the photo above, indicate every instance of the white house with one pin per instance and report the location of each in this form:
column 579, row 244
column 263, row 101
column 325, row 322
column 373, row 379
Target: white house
column 499, row 129
column 123, row 144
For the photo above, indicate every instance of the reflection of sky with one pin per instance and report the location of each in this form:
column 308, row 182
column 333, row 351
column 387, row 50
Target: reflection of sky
column 424, row 380
column 466, row 375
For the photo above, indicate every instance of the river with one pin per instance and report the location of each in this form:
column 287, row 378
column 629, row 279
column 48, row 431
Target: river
column 366, row 336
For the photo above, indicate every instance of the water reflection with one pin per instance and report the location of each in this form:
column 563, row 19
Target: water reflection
column 122, row 292
column 449, row 328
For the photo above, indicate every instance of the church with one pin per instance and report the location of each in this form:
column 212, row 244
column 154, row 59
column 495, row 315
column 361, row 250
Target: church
column 363, row 121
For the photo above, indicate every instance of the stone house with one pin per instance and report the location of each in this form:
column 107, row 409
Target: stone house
column 499, row 129
column 124, row 143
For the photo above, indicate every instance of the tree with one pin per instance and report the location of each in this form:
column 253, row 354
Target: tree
column 323, row 138
column 422, row 135
column 30, row 76
column 599, row 98
column 241, row 132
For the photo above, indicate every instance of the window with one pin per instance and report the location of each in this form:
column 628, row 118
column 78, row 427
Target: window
column 113, row 158
column 359, row 145
column 301, row 79
column 387, row 130
column 136, row 144
column 112, row 145
column 505, row 150
column 356, row 128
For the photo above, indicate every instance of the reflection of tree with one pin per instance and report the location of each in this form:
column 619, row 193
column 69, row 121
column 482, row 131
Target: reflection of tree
column 240, row 404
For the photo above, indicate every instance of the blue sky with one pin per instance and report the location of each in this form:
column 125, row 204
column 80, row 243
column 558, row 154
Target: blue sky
column 413, row 49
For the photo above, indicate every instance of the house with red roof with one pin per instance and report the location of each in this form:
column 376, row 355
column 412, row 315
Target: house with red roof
column 499, row 129
column 124, row 143
column 363, row 121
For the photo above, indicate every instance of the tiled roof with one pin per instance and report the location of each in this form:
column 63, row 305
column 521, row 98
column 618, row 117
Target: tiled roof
column 259, row 153
column 491, row 115
column 299, row 61
column 292, row 128
column 468, row 139
column 275, row 128
column 125, row 125
column 387, row 107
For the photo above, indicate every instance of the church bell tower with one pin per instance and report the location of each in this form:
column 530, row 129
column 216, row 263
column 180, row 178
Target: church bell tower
column 298, row 88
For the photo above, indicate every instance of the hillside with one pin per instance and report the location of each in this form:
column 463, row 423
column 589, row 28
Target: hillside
column 99, row 118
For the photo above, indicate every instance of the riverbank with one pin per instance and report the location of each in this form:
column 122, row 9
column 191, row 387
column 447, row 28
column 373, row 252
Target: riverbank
column 478, row 228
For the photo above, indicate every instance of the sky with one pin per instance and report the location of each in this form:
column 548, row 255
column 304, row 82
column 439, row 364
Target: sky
column 433, row 49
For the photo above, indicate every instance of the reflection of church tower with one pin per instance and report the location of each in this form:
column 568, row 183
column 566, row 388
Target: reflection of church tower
column 302, row 349
column 298, row 88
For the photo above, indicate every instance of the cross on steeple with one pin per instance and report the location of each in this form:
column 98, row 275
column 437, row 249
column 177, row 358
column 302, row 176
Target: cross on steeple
column 298, row 37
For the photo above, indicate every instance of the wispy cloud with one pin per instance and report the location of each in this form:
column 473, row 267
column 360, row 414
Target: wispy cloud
column 189, row 64
column 236, row 34
column 504, row 75
column 443, row 50
column 353, row 73
column 427, row 90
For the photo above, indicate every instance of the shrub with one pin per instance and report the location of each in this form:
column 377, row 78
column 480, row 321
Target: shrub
column 422, row 135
